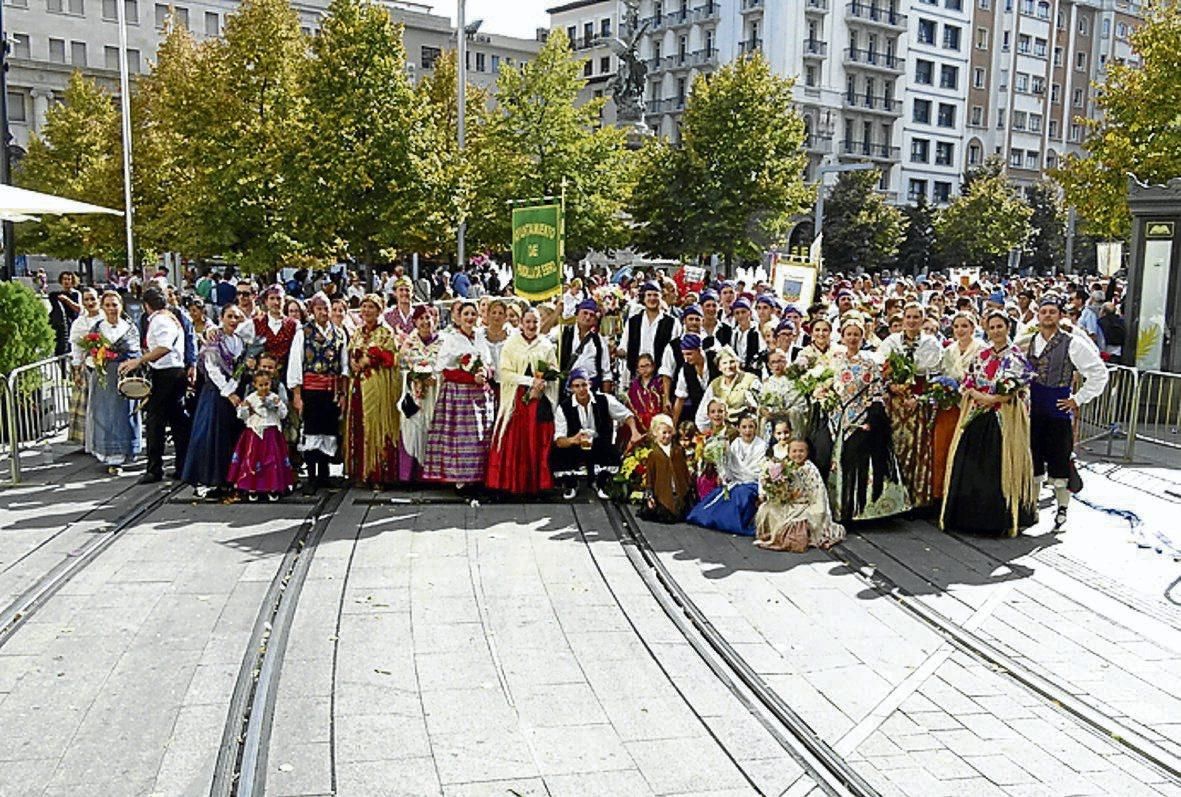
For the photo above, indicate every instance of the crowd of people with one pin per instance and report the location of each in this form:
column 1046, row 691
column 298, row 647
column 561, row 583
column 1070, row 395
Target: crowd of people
column 718, row 404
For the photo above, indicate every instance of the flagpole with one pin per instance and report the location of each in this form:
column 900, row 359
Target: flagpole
column 125, row 103
column 461, row 98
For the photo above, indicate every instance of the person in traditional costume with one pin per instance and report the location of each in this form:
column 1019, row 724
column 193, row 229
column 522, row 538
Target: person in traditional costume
column 112, row 421
column 277, row 333
column 420, row 352
column 584, row 436
column 518, row 462
column 674, row 355
column 317, row 373
column 1056, row 356
column 216, row 427
column 744, row 338
column 399, row 318
column 91, row 314
column 912, row 422
column 820, row 348
column 492, row 336
column 371, row 418
column 693, row 375
column 958, row 356
column 461, row 430
column 865, row 482
column 581, row 347
column 645, row 395
column 778, row 397
column 731, row 507
column 649, row 331
column 667, row 483
column 711, row 323
column 710, row 447
column 793, row 511
column 990, row 487
column 260, row 464
column 737, row 389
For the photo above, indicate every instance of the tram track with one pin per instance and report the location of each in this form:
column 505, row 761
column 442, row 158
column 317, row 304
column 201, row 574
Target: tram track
column 241, row 764
column 20, row 610
column 829, row 771
column 1042, row 684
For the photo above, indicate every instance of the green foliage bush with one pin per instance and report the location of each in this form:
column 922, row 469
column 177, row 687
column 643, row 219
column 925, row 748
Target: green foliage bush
column 25, row 334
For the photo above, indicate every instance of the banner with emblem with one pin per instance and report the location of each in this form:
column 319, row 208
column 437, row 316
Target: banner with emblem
column 539, row 250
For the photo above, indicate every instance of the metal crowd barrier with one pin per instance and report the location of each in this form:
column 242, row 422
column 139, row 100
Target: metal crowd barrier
column 1158, row 417
column 34, row 406
column 1111, row 417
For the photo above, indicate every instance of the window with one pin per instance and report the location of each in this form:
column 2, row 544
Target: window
column 428, row 56
column 605, row 65
column 132, row 61
column 605, row 27
column 20, row 45
column 212, row 24
column 481, row 62
column 926, row 31
column 1003, row 83
column 924, row 71
column 942, row 192
column 1000, row 118
column 1037, row 84
column 1084, row 26
column 78, row 53
column 949, row 77
column 1121, row 30
column 809, row 75
column 1018, row 120
column 951, row 37
column 1056, row 93
column 1016, row 158
column 588, row 33
column 1027, row 7
column 495, row 62
column 1033, row 159
column 953, row 5
column 977, row 117
column 981, row 38
column 946, row 115
column 1043, row 9
column 161, row 15
column 920, row 150
column 916, row 189
column 1021, row 84
column 1051, row 161
column 1023, row 44
column 922, row 112
column 55, row 6
column 1053, row 128
column 1061, row 21
column 1035, row 123
column 1106, row 29
column 588, row 68
column 975, row 154
column 110, row 10
column 111, row 58
column 984, row 5
column 571, row 34
column 944, row 153
column 57, row 51
column 978, row 77
column 1075, row 132
column 1057, row 56
column 1039, row 47
column 929, row 2
column 16, row 107
column 1080, row 62
column 1005, row 41
column 1077, row 98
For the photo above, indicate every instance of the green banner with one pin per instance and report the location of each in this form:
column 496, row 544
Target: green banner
column 539, row 249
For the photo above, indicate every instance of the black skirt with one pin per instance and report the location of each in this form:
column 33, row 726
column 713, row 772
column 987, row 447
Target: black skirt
column 975, row 503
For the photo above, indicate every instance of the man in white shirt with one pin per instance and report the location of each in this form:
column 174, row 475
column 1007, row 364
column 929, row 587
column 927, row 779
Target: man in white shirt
column 649, row 331
column 1056, row 356
column 744, row 338
column 584, row 435
column 582, row 348
column 164, row 355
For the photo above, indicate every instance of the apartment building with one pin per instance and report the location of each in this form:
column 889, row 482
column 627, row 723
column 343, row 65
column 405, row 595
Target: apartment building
column 52, row 38
column 587, row 24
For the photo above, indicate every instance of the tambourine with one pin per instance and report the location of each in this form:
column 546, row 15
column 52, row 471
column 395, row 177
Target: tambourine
column 135, row 387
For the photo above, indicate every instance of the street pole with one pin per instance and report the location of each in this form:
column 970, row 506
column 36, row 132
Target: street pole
column 461, row 97
column 1070, row 222
column 8, row 233
column 125, row 103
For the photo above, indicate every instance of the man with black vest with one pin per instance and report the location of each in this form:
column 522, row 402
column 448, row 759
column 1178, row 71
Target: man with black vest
column 582, row 348
column 584, row 435
column 649, row 331
column 744, row 338
column 1055, row 356
column 673, row 359
column 693, row 376
column 711, row 322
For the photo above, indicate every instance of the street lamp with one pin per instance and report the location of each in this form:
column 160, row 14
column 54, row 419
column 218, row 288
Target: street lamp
column 462, row 31
column 5, row 138
column 125, row 106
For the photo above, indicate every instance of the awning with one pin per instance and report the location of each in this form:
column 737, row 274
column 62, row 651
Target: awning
column 17, row 202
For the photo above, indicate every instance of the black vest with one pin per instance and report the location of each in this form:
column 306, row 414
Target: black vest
column 569, row 352
column 664, row 334
column 750, row 359
column 694, row 385
column 603, row 451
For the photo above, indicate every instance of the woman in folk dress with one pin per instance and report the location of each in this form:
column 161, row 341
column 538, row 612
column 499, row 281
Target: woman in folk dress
column 371, row 418
column 112, row 425
column 420, row 353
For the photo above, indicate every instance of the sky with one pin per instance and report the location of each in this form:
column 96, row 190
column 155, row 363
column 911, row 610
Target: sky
column 512, row 17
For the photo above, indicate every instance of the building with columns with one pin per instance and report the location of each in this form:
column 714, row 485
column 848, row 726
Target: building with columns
column 52, row 38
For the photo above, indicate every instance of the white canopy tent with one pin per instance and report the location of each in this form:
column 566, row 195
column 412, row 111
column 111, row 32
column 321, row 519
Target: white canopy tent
column 20, row 204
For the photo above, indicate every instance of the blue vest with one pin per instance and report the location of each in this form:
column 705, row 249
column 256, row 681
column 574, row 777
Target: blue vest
column 322, row 353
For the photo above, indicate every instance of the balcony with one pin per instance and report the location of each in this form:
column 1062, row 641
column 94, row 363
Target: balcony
column 707, row 12
column 871, row 59
column 875, row 15
column 814, row 48
column 816, row 7
column 667, row 105
column 750, row 46
column 866, row 149
column 818, row 144
column 706, row 57
column 659, row 22
column 887, row 106
column 751, row 6
column 673, row 19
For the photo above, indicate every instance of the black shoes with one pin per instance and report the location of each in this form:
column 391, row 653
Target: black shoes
column 150, row 478
column 1060, row 520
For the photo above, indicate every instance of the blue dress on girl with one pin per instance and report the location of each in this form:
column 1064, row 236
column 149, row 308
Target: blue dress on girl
column 731, row 508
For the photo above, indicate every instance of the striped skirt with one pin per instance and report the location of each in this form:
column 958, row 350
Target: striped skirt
column 79, row 398
column 457, row 443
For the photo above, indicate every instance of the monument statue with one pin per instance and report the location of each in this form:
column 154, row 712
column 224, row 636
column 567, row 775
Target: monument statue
column 629, row 82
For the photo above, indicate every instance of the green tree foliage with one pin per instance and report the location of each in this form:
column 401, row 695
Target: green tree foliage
column 75, row 156
column 660, row 202
column 1045, row 250
column 545, row 136
column 360, row 192
column 742, row 140
column 24, row 327
column 983, row 223
column 860, row 228
column 915, row 255
column 1138, row 129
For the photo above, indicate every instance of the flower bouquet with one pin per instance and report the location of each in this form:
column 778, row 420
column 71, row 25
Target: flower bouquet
column 422, row 371
column 943, row 392
column 1005, row 386
column 628, row 484
column 471, row 363
column 777, row 481
column 547, row 372
column 899, row 369
column 99, row 352
column 817, row 384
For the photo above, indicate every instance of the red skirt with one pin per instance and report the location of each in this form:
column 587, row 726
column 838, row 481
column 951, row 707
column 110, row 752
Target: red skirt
column 519, row 464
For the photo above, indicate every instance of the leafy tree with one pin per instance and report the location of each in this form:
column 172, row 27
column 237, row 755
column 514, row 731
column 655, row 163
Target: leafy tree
column 660, row 203
column 24, row 327
column 915, row 253
column 360, row 186
column 544, row 136
column 73, row 156
column 1136, row 131
column 983, row 223
column 742, row 142
column 1045, row 251
column 860, row 228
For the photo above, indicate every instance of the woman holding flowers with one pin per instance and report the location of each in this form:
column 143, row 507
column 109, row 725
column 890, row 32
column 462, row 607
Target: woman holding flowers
column 518, row 462
column 810, row 369
column 371, row 419
column 457, row 444
column 793, row 514
column 990, row 487
column 865, row 482
column 731, row 507
column 738, row 390
column 112, row 426
column 945, row 393
column 416, row 407
column 216, row 427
